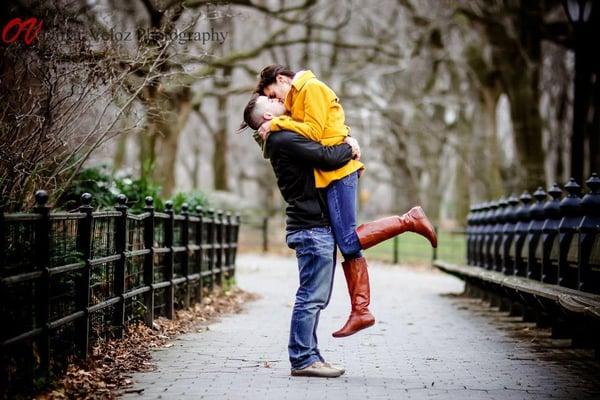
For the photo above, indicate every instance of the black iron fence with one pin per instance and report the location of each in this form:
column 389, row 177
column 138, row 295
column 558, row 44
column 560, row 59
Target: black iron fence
column 70, row 278
column 552, row 239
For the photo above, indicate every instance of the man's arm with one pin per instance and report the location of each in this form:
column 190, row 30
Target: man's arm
column 326, row 158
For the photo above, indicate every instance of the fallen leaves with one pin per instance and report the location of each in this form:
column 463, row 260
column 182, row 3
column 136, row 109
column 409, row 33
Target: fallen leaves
column 111, row 362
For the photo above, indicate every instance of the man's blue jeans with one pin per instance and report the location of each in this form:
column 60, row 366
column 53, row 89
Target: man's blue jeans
column 341, row 201
column 315, row 251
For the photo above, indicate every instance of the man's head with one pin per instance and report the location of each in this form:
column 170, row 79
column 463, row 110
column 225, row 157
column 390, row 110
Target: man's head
column 275, row 81
column 261, row 109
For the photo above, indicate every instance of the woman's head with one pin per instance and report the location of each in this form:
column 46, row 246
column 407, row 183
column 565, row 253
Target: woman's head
column 275, row 81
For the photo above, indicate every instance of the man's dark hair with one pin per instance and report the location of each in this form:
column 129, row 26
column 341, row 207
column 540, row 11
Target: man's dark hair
column 269, row 74
column 250, row 117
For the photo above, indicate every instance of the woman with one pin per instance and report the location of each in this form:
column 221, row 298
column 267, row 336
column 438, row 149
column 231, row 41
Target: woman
column 315, row 112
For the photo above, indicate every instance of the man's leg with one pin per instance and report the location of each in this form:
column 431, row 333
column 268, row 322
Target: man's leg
column 314, row 251
column 316, row 341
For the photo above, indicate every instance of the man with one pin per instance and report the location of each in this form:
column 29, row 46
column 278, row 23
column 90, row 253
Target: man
column 294, row 158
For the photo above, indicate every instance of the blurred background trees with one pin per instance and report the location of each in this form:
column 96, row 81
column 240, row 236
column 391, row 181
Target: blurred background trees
column 453, row 102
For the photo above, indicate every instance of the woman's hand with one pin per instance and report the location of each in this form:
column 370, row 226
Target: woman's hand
column 264, row 130
column 355, row 147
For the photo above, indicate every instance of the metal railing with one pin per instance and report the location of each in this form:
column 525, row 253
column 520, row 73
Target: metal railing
column 554, row 240
column 69, row 278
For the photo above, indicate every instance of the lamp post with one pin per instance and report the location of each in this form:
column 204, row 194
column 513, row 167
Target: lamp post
column 579, row 13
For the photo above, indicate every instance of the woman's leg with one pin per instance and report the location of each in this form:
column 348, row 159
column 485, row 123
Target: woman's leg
column 341, row 201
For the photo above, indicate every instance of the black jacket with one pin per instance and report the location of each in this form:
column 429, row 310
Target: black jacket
column 293, row 158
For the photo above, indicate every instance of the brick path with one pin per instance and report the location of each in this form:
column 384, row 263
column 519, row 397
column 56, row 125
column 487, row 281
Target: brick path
column 428, row 343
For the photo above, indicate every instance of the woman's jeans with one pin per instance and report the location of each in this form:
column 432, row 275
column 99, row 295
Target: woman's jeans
column 315, row 251
column 341, row 201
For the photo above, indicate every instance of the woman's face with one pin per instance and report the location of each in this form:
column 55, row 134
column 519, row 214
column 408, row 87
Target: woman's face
column 280, row 88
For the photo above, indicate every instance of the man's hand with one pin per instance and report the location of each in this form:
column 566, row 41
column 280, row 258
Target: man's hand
column 264, row 130
column 355, row 147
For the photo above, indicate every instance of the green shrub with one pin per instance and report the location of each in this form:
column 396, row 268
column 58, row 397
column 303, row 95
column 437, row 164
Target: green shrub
column 105, row 187
column 97, row 181
column 193, row 198
column 137, row 190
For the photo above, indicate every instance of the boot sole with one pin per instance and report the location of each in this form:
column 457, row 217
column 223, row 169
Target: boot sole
column 353, row 332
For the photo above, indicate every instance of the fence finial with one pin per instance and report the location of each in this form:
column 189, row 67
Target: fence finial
column 540, row 194
column 184, row 208
column 86, row 199
column 525, row 197
column 593, row 183
column 169, row 206
column 573, row 188
column 122, row 200
column 149, row 201
column 41, row 198
column 555, row 191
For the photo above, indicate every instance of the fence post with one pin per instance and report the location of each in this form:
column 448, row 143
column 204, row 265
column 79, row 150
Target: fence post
column 589, row 229
column 228, row 242
column 84, row 245
column 434, row 249
column 220, row 223
column 2, row 235
column 236, row 235
column 396, row 249
column 200, row 257
column 185, row 261
column 210, row 240
column 265, row 234
column 169, row 259
column 119, row 278
column 3, row 261
column 42, row 258
column 149, row 261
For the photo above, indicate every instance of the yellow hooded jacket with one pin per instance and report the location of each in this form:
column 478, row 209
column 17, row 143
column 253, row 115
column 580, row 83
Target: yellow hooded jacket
column 315, row 113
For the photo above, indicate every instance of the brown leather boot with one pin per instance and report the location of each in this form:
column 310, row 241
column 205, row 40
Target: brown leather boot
column 414, row 220
column 357, row 277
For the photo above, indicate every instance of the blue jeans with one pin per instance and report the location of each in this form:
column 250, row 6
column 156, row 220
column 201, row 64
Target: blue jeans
column 341, row 201
column 315, row 251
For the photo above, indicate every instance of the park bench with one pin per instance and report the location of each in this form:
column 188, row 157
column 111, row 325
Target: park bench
column 540, row 258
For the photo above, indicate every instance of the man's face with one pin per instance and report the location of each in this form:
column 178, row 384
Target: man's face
column 273, row 107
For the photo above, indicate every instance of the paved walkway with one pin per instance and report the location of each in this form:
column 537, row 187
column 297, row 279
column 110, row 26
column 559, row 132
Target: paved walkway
column 427, row 343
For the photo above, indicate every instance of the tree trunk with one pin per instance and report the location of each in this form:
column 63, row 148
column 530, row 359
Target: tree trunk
column 527, row 127
column 167, row 115
column 120, row 153
column 222, row 82
column 220, row 169
column 518, row 62
column 515, row 39
column 172, row 121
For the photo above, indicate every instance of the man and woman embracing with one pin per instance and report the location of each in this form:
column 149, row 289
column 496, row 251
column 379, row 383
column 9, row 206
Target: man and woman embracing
column 300, row 126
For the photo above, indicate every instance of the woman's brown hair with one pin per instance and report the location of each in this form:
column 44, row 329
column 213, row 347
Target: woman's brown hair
column 269, row 74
